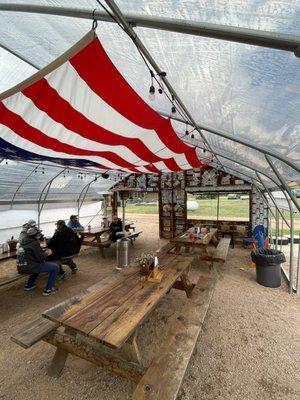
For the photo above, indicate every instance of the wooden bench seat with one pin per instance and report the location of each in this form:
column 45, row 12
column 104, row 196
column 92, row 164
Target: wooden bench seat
column 5, row 256
column 64, row 260
column 6, row 280
column 221, row 251
column 166, row 372
column 33, row 332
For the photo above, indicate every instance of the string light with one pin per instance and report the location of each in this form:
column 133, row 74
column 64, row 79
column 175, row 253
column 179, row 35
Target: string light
column 173, row 109
column 161, row 75
column 152, row 88
column 186, row 129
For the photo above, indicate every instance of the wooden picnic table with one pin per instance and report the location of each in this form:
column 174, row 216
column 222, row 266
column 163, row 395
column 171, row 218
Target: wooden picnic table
column 101, row 322
column 94, row 237
column 201, row 242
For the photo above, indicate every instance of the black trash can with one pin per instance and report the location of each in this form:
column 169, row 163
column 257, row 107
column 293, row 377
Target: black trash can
column 268, row 271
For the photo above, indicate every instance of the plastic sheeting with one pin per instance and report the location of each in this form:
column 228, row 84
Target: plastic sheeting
column 24, row 182
column 250, row 92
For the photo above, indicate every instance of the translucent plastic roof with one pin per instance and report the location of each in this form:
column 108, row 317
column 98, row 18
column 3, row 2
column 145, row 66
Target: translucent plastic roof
column 249, row 92
column 27, row 182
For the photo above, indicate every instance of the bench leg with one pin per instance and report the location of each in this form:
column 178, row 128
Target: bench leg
column 101, row 251
column 57, row 363
column 187, row 285
column 131, row 351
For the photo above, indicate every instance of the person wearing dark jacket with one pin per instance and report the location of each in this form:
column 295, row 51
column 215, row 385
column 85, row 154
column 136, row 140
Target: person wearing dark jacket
column 31, row 261
column 63, row 244
column 115, row 227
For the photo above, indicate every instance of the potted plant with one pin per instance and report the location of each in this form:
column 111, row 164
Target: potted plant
column 12, row 244
column 146, row 263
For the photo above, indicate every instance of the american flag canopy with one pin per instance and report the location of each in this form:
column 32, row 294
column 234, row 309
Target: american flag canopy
column 80, row 111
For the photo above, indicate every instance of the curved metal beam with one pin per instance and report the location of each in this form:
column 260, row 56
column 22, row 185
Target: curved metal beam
column 244, row 142
column 85, row 188
column 283, row 183
column 231, row 33
column 251, row 167
column 45, row 190
column 22, row 183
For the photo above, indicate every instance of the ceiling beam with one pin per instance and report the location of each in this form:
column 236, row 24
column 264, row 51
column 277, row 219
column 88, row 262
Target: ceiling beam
column 254, row 37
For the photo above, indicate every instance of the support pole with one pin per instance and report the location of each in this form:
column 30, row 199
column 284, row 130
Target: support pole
column 289, row 201
column 277, row 229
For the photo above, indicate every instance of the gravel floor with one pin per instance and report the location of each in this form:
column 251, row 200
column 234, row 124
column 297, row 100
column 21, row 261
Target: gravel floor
column 249, row 347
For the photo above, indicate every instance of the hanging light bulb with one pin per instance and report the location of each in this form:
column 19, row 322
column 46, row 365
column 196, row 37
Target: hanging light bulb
column 161, row 75
column 152, row 93
column 152, row 88
column 173, row 109
column 186, row 129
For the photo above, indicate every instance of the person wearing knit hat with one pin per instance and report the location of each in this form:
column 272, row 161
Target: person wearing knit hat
column 31, row 261
column 31, row 223
column 63, row 244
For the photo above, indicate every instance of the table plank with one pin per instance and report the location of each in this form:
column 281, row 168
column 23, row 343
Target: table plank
column 117, row 328
column 91, row 316
column 71, row 306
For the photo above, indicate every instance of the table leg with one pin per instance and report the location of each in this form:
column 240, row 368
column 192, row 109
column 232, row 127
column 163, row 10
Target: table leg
column 215, row 241
column 131, row 351
column 112, row 359
column 58, row 363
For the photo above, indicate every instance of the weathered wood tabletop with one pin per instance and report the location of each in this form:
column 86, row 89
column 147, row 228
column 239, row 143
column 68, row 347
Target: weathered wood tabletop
column 110, row 310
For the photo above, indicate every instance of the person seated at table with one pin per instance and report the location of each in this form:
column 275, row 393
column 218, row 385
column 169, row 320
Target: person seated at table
column 76, row 226
column 63, row 244
column 115, row 227
column 104, row 223
column 30, row 224
column 31, row 260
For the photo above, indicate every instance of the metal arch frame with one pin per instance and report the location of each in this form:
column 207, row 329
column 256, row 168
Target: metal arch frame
column 22, row 183
column 284, row 185
column 83, row 193
column 244, row 142
column 235, row 34
column 45, row 192
column 246, row 166
column 103, row 16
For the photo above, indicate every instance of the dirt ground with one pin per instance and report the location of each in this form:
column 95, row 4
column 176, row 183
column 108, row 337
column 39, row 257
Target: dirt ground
column 249, row 348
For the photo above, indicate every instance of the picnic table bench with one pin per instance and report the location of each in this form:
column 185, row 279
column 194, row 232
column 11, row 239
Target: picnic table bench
column 16, row 276
column 99, row 324
column 163, row 378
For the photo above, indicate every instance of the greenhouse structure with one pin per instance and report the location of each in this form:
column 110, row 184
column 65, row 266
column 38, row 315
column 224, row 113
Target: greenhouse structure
column 150, row 180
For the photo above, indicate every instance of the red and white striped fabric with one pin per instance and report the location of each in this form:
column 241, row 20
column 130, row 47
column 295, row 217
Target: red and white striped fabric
column 80, row 107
